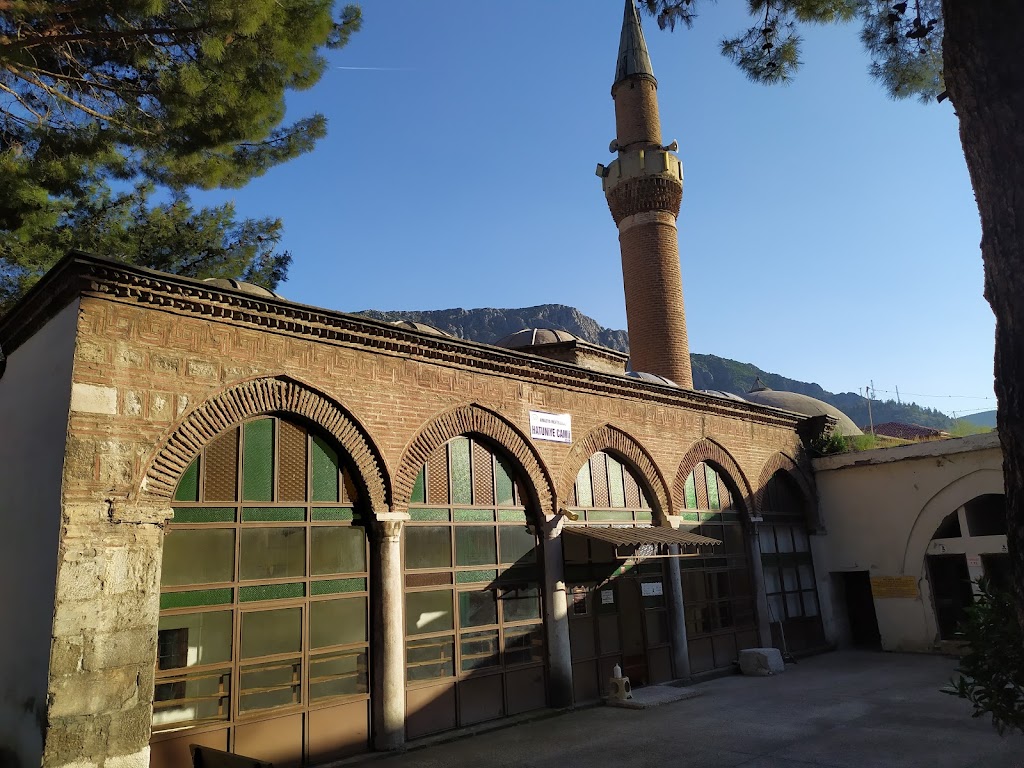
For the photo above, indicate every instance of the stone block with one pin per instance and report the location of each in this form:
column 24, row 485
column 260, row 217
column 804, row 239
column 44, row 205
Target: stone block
column 761, row 662
column 107, row 651
column 90, row 398
column 94, row 693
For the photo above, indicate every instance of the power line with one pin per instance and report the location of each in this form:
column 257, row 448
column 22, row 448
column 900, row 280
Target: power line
column 922, row 394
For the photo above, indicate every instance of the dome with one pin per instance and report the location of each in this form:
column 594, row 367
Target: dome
column 652, row 378
column 534, row 337
column 242, row 287
column 802, row 404
column 721, row 395
column 410, row 325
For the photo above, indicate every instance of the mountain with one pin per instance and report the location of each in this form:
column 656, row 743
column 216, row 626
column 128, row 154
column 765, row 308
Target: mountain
column 709, row 371
column 983, row 419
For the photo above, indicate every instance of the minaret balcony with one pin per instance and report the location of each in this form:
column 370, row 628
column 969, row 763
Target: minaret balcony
column 643, row 163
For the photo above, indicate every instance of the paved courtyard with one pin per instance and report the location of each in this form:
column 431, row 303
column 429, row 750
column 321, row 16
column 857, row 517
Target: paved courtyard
column 847, row 709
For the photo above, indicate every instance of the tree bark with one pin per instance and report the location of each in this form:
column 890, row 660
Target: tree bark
column 984, row 74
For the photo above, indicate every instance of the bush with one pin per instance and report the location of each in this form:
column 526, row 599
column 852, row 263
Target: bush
column 992, row 672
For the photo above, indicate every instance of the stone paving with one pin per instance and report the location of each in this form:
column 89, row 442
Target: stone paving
column 847, row 709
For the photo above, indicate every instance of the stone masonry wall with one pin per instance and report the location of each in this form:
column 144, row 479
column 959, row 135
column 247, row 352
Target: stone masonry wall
column 139, row 371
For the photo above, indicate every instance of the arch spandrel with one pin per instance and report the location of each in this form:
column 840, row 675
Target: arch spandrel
column 626, row 448
column 780, row 462
column 258, row 397
column 474, row 419
column 711, row 452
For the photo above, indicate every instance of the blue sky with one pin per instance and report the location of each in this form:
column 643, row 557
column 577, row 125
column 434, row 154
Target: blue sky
column 827, row 233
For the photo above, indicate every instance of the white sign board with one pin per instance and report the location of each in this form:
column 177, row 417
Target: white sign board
column 650, row 588
column 556, row 427
column 607, row 597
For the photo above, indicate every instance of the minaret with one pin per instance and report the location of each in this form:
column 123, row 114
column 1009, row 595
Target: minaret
column 644, row 188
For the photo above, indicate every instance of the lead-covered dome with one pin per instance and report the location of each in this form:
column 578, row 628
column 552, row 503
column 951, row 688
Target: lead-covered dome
column 534, row 337
column 652, row 378
column 411, row 325
column 242, row 287
column 802, row 404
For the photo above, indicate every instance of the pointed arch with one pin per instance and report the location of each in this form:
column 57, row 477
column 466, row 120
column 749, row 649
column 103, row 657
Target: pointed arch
column 257, row 397
column 469, row 420
column 712, row 452
column 781, row 462
column 625, row 447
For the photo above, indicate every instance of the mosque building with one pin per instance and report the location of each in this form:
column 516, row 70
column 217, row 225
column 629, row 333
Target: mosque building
column 294, row 534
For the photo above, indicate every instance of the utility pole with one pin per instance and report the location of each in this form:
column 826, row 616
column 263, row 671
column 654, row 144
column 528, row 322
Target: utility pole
column 898, row 395
column 870, row 393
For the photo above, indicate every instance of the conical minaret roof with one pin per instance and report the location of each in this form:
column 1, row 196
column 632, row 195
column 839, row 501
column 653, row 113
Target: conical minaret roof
column 633, row 56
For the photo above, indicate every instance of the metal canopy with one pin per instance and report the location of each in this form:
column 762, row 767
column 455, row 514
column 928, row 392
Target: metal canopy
column 652, row 541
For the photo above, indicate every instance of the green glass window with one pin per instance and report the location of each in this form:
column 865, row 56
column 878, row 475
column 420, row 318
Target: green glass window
column 480, row 650
column 712, row 480
column 503, row 482
column 337, row 549
column 269, row 685
column 338, row 674
column 248, row 622
column 258, row 460
column 272, row 553
column 462, row 486
column 477, row 609
column 460, row 553
column 690, row 492
column 265, row 633
column 475, row 545
column 188, row 486
column 337, row 622
column 518, row 545
column 201, row 556
column 428, row 546
column 427, row 612
column 430, row 658
column 325, row 471
column 191, row 639
column 616, row 490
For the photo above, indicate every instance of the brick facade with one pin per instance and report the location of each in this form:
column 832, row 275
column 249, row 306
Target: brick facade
column 162, row 365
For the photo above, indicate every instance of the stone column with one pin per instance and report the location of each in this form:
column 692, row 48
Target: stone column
column 764, row 629
column 677, row 617
column 103, row 652
column 556, row 616
column 388, row 640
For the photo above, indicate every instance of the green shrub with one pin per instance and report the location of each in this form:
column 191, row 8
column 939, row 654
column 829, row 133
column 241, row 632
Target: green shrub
column 991, row 675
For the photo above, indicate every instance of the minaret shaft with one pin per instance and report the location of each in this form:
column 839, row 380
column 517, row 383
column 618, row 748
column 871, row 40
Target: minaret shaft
column 644, row 189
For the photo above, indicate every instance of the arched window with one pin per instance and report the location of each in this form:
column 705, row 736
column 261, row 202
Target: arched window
column 263, row 634
column 717, row 585
column 788, row 569
column 473, row 626
column 969, row 543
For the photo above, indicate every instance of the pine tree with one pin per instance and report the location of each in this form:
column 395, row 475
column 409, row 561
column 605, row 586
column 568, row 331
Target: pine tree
column 103, row 103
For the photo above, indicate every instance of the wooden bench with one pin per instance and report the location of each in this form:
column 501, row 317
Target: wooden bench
column 207, row 757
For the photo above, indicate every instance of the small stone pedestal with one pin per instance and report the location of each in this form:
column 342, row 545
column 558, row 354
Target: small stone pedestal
column 761, row 662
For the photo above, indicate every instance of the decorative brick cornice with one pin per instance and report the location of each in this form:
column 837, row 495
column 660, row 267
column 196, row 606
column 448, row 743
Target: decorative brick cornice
column 646, row 193
column 780, row 462
column 102, row 278
column 265, row 396
column 626, row 448
column 474, row 419
column 707, row 450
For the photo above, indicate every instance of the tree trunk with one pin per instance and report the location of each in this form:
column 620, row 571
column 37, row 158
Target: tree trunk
column 984, row 74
